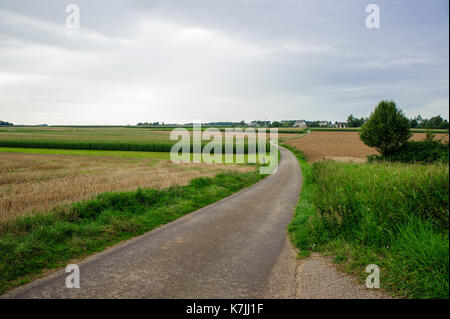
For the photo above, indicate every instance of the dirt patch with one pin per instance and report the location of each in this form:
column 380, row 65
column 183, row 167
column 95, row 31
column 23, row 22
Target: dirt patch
column 332, row 145
column 341, row 146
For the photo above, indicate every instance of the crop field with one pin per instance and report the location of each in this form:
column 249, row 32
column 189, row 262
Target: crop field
column 37, row 182
column 93, row 187
column 340, row 146
column 79, row 163
column 87, row 138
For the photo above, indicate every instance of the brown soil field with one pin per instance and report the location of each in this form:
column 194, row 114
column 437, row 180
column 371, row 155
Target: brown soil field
column 340, row 146
column 37, row 183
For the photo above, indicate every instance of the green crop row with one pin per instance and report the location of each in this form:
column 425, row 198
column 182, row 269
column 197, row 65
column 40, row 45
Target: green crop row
column 109, row 146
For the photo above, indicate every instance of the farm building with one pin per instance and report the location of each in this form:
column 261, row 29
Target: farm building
column 301, row 123
column 340, row 124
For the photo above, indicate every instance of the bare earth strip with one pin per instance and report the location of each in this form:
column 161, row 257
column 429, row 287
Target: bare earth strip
column 235, row 248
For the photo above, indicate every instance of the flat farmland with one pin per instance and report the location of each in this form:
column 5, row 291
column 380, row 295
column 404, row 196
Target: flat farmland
column 340, row 146
column 91, row 138
column 32, row 183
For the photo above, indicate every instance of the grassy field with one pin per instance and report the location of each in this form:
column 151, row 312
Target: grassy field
column 33, row 244
column 340, row 145
column 392, row 215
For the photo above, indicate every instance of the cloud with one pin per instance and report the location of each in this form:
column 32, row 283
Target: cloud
column 217, row 61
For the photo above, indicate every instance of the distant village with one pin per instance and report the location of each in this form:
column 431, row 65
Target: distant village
column 287, row 123
column 435, row 122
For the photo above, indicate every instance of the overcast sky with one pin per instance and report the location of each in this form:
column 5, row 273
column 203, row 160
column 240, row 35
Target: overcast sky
column 220, row 60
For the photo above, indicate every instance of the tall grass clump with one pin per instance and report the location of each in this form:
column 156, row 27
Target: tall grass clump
column 391, row 214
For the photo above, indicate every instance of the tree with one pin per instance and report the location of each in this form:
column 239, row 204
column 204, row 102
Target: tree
column 3, row 123
column 386, row 129
column 276, row 124
column 435, row 121
column 413, row 123
column 354, row 121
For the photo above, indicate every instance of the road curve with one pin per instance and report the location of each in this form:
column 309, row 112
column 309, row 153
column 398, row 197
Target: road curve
column 229, row 249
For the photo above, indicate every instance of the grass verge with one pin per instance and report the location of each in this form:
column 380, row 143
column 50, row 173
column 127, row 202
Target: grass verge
column 31, row 245
column 390, row 214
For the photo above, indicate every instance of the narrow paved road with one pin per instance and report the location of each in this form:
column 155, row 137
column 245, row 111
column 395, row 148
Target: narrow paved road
column 231, row 249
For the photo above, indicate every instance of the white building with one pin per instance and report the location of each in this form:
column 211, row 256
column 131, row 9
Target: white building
column 301, row 124
column 340, row 124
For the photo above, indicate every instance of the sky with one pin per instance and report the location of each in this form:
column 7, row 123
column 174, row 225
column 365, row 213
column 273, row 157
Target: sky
column 180, row 61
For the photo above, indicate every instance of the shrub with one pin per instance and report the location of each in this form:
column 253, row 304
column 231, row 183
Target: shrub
column 424, row 152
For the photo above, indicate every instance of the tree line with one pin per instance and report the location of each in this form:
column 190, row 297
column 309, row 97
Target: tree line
column 435, row 122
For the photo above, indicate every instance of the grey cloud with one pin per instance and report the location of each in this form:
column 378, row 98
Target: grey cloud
column 176, row 61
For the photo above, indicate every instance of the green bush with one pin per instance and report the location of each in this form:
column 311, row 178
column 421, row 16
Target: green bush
column 424, row 152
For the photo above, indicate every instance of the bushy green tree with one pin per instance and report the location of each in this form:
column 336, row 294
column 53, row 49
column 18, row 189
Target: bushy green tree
column 354, row 121
column 386, row 129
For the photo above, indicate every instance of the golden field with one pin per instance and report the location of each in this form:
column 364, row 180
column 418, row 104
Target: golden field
column 38, row 182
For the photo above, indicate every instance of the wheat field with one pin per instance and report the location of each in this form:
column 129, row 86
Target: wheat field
column 31, row 183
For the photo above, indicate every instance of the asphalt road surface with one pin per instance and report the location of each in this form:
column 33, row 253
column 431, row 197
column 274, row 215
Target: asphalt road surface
column 235, row 248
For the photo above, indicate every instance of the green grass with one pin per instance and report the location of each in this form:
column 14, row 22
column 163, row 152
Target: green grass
column 123, row 154
column 390, row 214
column 126, row 154
column 30, row 245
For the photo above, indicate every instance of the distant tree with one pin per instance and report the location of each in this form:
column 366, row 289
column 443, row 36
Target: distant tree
column 276, row 124
column 435, row 122
column 413, row 123
column 386, row 129
column 3, row 123
column 354, row 121
column 313, row 124
column 351, row 120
